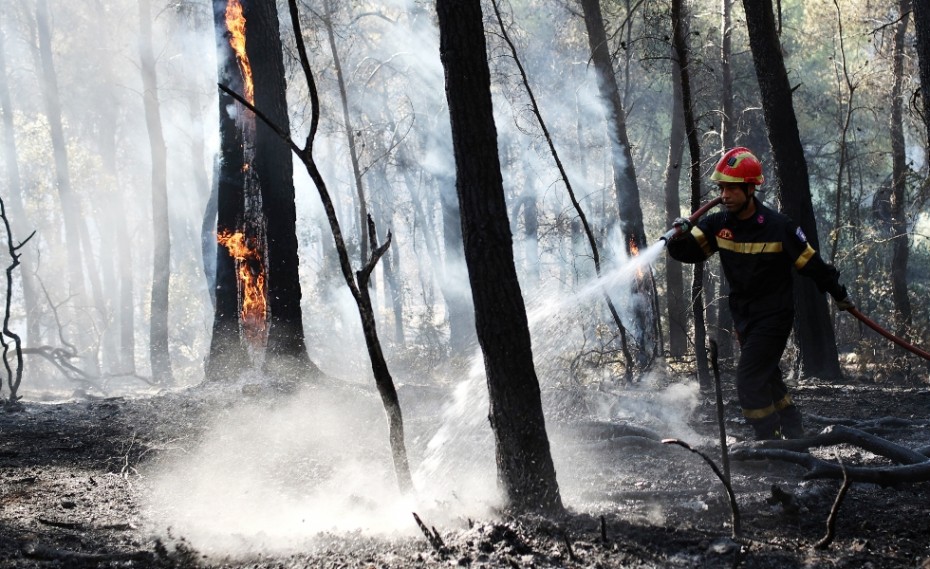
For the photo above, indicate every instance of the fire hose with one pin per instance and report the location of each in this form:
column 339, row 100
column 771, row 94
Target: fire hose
column 673, row 232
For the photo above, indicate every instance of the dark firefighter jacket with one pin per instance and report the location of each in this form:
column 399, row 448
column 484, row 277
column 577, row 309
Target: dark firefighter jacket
column 757, row 255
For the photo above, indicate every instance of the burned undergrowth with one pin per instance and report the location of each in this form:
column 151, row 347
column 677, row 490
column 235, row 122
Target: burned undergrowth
column 86, row 483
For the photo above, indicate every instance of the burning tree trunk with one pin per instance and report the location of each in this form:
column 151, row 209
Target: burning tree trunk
column 358, row 282
column 812, row 327
column 227, row 351
column 161, row 237
column 257, row 281
column 631, row 213
column 525, row 469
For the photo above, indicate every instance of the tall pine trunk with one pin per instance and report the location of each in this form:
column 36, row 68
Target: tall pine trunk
column 286, row 351
column 525, row 468
column 813, row 328
column 900, row 242
column 694, row 150
column 677, row 303
column 227, row 350
column 631, row 213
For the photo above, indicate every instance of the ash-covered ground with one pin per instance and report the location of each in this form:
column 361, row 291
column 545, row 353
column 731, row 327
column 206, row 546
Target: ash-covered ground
column 246, row 476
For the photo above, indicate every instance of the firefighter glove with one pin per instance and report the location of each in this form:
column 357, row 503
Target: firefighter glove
column 683, row 223
column 845, row 304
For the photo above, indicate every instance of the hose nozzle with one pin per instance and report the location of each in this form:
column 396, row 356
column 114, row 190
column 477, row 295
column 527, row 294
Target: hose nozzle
column 693, row 219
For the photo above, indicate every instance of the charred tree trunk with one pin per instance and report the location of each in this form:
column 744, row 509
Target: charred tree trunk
column 694, row 149
column 161, row 237
column 227, row 350
column 358, row 281
column 812, row 327
column 899, row 225
column 674, row 274
column 286, row 351
column 631, row 213
column 525, row 469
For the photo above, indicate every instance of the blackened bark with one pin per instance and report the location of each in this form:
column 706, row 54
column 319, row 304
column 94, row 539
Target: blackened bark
column 274, row 168
column 525, row 469
column 161, row 238
column 631, row 213
column 227, row 350
column 901, row 242
column 813, row 328
column 674, row 274
column 680, row 44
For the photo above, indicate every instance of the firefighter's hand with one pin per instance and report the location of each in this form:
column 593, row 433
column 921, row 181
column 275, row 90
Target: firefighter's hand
column 845, row 304
column 682, row 223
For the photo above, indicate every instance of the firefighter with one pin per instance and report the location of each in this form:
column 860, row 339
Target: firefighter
column 758, row 248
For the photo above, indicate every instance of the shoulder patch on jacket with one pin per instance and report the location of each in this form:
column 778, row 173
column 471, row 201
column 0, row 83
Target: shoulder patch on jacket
column 725, row 233
column 801, row 235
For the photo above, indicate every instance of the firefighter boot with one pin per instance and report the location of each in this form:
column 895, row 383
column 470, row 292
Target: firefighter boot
column 792, row 426
column 767, row 428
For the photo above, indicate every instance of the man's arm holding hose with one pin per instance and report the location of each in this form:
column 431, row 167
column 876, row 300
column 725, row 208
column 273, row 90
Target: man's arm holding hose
column 810, row 264
column 690, row 244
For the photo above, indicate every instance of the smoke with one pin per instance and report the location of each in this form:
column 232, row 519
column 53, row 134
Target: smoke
column 271, row 474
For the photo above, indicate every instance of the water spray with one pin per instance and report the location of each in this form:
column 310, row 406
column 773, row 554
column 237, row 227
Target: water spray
column 675, row 231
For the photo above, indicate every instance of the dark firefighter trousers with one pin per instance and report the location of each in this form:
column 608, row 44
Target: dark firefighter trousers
column 762, row 392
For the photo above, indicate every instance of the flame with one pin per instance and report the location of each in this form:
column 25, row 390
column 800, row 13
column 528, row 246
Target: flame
column 634, row 250
column 235, row 23
column 251, row 274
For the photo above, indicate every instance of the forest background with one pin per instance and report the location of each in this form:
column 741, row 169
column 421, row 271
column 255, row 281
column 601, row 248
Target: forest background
column 112, row 156
column 78, row 171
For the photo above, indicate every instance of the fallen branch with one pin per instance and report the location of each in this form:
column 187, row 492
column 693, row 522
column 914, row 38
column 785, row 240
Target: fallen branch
column 817, row 468
column 841, row 434
column 870, row 425
column 42, row 552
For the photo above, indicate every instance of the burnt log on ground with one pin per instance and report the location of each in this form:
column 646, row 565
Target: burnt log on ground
column 912, row 465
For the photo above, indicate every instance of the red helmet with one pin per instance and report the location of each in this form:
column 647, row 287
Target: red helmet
column 739, row 166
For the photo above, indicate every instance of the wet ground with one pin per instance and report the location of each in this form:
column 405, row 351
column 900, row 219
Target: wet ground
column 77, row 479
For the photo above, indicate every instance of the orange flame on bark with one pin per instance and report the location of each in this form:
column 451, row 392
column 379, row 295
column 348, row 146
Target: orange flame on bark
column 235, row 23
column 251, row 274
